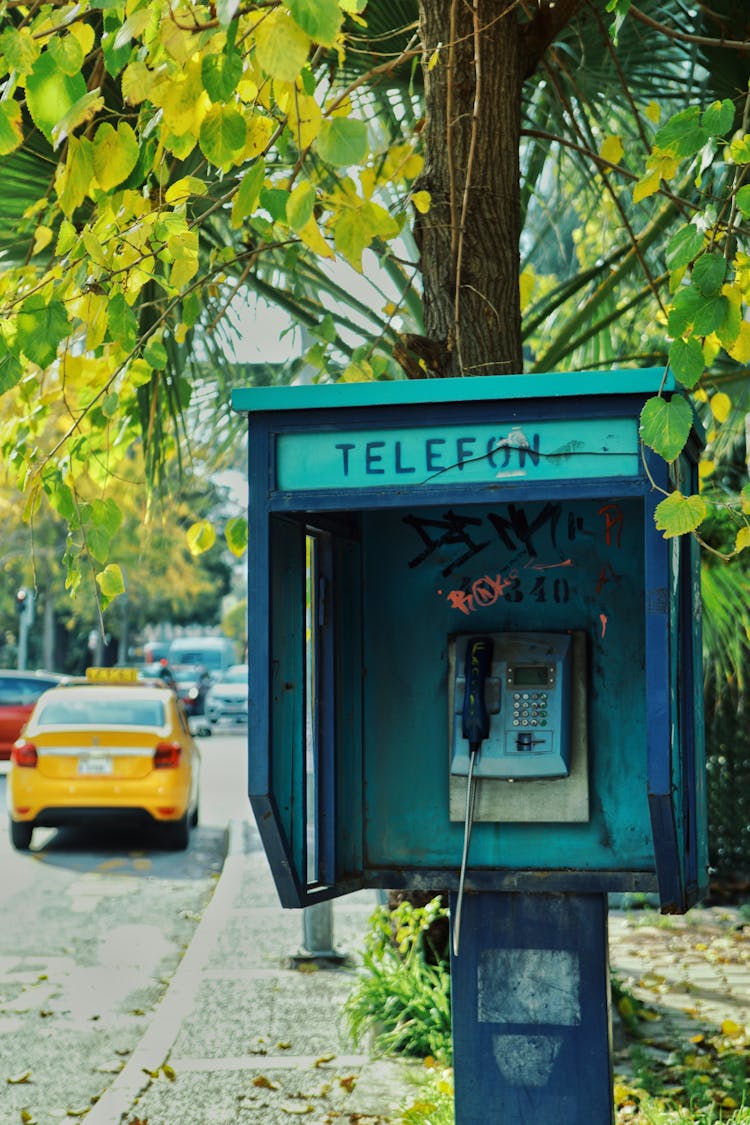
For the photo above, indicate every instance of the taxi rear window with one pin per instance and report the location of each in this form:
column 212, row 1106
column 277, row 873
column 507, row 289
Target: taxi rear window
column 106, row 712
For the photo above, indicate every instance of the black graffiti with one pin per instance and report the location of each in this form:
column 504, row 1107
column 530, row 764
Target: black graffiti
column 454, row 531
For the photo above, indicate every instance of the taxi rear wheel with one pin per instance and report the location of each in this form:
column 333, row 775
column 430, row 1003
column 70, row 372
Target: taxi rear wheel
column 176, row 834
column 20, row 834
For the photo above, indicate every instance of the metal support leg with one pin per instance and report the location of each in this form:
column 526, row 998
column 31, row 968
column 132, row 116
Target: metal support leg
column 530, row 1001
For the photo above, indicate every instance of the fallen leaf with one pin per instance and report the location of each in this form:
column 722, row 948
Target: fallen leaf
column 17, row 1079
column 731, row 1029
column 297, row 1108
column 28, row 1118
column 348, row 1083
column 323, row 1060
column 265, row 1083
column 283, row 1045
column 169, row 1072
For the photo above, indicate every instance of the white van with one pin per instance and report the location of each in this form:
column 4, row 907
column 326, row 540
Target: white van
column 215, row 654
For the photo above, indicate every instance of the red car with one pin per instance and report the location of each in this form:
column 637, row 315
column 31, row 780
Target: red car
column 19, row 692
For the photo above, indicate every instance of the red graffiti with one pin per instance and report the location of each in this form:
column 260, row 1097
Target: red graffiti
column 483, row 592
column 613, row 520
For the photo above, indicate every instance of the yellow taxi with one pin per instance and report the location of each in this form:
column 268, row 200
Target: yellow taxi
column 110, row 747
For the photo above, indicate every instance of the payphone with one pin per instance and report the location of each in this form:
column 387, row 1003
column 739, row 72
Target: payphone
column 465, row 622
column 522, row 682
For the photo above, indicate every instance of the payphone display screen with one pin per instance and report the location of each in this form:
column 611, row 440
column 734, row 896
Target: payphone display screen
column 530, row 675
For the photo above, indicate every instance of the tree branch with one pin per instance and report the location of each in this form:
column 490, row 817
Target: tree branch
column 544, row 28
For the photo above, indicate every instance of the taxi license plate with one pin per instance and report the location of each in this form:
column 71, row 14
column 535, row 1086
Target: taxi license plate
column 95, row 767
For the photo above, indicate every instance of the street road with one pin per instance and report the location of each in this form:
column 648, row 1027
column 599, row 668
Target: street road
column 92, row 927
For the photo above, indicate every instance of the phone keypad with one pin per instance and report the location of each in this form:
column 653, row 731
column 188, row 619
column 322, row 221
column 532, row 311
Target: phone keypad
column 530, row 708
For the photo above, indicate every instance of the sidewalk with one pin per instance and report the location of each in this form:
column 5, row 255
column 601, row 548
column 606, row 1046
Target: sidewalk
column 243, row 1036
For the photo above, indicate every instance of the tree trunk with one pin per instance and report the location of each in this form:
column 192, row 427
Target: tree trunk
column 469, row 238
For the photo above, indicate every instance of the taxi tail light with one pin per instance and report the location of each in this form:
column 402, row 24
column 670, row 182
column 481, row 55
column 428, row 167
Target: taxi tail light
column 24, row 754
column 167, row 755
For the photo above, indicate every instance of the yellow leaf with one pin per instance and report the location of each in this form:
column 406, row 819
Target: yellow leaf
column 136, row 83
column 42, row 237
column 115, row 154
column 182, row 190
column 312, row 238
column 264, row 1083
column 422, row 201
column 706, row 468
column 647, row 185
column 612, row 150
column 741, row 542
column 11, row 126
column 303, row 118
column 73, row 179
column 729, row 1027
column 85, row 35
column 259, row 132
column 653, row 112
column 434, row 57
column 527, row 281
column 183, row 100
column 201, row 537
column 721, row 406
column 281, row 46
column 740, row 349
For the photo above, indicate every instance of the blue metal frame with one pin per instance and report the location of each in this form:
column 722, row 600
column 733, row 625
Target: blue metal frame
column 277, row 803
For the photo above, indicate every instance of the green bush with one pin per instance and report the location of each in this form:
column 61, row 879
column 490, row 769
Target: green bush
column 403, row 995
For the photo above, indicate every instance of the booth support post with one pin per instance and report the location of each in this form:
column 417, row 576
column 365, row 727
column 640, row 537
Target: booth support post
column 530, row 1005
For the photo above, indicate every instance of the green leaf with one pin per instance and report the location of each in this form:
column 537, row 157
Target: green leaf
column 275, row 202
column 235, row 534
column 342, row 141
column 222, row 135
column 67, row 52
column 115, row 154
column 201, row 537
column 10, row 369
column 709, row 274
column 123, row 325
column 686, row 360
column 678, row 514
column 321, row 19
column 50, row 93
column 742, row 200
column 155, row 354
column 665, row 425
column 220, row 74
column 683, row 312
column 719, row 118
column 41, row 326
column 106, row 514
column 683, row 134
column 111, row 582
column 246, row 199
column 685, row 245
column 711, row 315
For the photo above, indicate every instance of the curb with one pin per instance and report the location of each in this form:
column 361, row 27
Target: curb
column 156, row 1043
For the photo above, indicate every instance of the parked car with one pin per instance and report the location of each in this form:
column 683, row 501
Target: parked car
column 19, row 692
column 215, row 654
column 112, row 748
column 226, row 701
